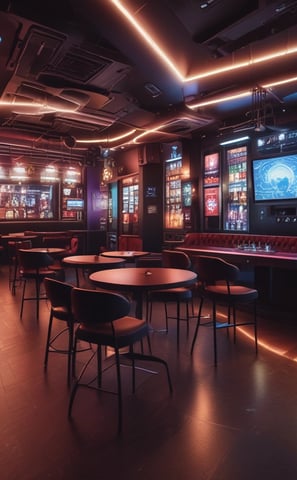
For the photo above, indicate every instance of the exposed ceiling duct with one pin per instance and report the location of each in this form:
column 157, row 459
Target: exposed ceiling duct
column 101, row 78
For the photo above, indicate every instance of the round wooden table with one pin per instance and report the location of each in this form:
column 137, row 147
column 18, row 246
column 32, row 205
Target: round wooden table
column 18, row 236
column 96, row 262
column 141, row 280
column 126, row 254
column 49, row 250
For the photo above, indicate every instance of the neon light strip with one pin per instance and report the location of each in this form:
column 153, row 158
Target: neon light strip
column 240, row 94
column 170, row 63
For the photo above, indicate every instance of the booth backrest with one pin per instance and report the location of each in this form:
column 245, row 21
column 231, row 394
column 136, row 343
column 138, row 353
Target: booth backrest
column 56, row 239
column 58, row 242
column 130, row 243
column 279, row 243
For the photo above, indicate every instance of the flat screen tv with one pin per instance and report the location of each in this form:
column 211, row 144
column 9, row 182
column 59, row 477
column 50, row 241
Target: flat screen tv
column 74, row 204
column 275, row 178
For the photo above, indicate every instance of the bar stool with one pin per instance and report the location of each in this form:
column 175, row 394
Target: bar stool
column 178, row 296
column 13, row 262
column 59, row 295
column 34, row 266
column 103, row 320
column 219, row 284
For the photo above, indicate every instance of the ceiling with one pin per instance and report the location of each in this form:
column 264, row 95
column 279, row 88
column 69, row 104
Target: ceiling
column 84, row 76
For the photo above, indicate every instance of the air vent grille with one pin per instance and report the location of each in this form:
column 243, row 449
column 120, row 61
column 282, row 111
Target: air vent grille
column 185, row 125
column 78, row 65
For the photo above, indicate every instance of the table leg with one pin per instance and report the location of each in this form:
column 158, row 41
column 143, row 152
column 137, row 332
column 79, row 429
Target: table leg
column 138, row 297
column 77, row 276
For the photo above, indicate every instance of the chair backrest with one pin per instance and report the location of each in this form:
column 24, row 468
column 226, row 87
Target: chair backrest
column 58, row 293
column 14, row 246
column 25, row 244
column 73, row 246
column 214, row 269
column 175, row 259
column 56, row 241
column 149, row 261
column 96, row 306
column 34, row 260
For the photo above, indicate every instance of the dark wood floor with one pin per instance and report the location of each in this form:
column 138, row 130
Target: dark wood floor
column 238, row 421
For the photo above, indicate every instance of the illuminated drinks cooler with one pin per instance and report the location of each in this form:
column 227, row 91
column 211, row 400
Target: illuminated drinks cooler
column 72, row 202
column 235, row 199
column 19, row 202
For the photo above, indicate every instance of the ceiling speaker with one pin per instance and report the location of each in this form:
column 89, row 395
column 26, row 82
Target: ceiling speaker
column 69, row 141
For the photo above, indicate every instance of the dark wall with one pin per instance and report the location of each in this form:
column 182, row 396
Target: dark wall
column 96, row 233
column 151, row 181
column 274, row 218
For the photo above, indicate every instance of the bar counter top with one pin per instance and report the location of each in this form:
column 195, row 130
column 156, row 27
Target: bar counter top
column 255, row 257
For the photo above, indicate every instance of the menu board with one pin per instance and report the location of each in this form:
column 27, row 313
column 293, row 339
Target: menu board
column 211, row 169
column 211, row 201
column 173, row 213
column 130, row 203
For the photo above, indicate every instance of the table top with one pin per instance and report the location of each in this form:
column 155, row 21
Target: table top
column 124, row 254
column 251, row 257
column 241, row 252
column 143, row 278
column 18, row 236
column 84, row 260
column 49, row 250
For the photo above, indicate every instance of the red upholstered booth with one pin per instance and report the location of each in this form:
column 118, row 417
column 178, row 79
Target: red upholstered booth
column 280, row 243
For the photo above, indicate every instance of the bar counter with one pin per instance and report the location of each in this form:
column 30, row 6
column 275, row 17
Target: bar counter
column 246, row 257
column 272, row 272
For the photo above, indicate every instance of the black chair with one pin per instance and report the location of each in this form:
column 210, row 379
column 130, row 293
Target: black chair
column 34, row 266
column 104, row 320
column 13, row 247
column 218, row 283
column 178, row 296
column 59, row 295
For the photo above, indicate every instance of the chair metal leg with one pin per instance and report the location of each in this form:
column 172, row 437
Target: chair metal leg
column 70, row 352
column 48, row 339
column 119, row 383
column 23, row 298
column 177, row 321
column 255, row 327
column 166, row 316
column 188, row 316
column 37, row 289
column 214, row 321
column 99, row 366
column 234, row 323
column 77, row 380
column 197, row 324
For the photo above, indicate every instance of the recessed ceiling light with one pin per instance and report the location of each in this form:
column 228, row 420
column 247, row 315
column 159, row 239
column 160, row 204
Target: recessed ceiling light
column 153, row 90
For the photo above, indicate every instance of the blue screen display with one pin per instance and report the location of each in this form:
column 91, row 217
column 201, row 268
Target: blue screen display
column 275, row 178
column 75, row 204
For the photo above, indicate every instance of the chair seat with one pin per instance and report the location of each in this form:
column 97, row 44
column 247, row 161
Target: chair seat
column 114, row 336
column 171, row 294
column 61, row 313
column 31, row 273
column 236, row 293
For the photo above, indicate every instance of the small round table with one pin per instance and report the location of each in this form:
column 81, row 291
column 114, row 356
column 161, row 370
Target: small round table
column 97, row 262
column 49, row 250
column 17, row 236
column 141, row 280
column 126, row 254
